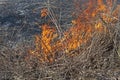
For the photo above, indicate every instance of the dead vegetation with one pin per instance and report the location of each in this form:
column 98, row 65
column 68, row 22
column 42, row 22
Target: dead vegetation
column 54, row 54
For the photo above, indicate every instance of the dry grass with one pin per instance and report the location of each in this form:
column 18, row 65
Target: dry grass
column 97, row 60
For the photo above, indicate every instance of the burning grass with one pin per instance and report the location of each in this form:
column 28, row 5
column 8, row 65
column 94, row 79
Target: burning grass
column 95, row 19
column 89, row 45
column 87, row 50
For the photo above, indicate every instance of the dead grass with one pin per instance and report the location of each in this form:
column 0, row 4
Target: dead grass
column 98, row 60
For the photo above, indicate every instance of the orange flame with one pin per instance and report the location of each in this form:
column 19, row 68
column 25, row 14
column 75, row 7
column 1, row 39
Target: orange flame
column 47, row 44
column 44, row 12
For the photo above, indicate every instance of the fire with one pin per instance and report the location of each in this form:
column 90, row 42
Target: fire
column 46, row 37
column 44, row 12
column 89, row 21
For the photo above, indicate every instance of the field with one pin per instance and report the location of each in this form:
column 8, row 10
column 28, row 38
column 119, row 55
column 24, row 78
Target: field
column 59, row 40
